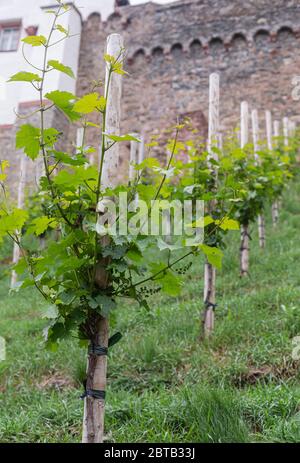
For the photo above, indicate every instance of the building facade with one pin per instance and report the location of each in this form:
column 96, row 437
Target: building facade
column 171, row 50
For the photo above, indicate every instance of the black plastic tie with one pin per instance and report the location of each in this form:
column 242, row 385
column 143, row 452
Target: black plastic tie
column 95, row 393
column 100, row 351
column 210, row 305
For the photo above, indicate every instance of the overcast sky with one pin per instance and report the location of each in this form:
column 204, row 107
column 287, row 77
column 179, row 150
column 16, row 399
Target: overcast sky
column 135, row 2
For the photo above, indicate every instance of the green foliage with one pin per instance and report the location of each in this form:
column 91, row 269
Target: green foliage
column 64, row 101
column 90, row 103
column 25, row 77
column 72, row 198
column 54, row 64
column 28, row 138
column 35, row 40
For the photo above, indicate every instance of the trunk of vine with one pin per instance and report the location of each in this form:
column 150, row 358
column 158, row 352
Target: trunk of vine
column 275, row 213
column 209, row 299
column 94, row 409
column 244, row 250
column 261, row 231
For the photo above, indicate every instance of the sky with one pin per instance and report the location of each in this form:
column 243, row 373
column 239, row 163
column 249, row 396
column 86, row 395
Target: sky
column 135, row 2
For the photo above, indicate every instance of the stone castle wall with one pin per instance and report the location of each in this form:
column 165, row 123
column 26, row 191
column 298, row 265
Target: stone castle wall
column 172, row 49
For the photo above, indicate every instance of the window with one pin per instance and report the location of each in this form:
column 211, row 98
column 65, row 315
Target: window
column 9, row 38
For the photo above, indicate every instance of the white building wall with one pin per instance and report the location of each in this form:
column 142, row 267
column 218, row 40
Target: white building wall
column 32, row 13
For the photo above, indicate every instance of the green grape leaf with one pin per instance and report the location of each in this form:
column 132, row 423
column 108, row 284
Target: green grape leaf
column 39, row 225
column 35, row 40
column 25, row 76
column 61, row 67
column 61, row 29
column 214, row 255
column 90, row 103
column 228, row 224
column 65, row 102
column 119, row 138
column 28, row 139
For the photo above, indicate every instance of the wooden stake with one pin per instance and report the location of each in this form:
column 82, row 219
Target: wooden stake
column 286, row 130
column 275, row 214
column 261, row 217
column 245, row 237
column 275, row 205
column 142, row 150
column 213, row 139
column 21, row 202
column 134, row 158
column 94, row 408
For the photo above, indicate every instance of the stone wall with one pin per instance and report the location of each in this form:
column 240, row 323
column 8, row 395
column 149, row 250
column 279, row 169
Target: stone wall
column 172, row 49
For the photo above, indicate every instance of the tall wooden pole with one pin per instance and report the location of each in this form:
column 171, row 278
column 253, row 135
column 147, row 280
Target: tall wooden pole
column 213, row 139
column 20, row 203
column 94, row 406
column 141, row 150
column 134, row 157
column 269, row 132
column 286, row 130
column 245, row 237
column 255, row 134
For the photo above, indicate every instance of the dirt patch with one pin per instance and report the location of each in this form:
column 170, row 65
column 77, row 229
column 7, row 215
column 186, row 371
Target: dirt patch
column 56, row 381
column 288, row 368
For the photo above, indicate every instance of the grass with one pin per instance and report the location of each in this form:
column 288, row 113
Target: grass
column 241, row 386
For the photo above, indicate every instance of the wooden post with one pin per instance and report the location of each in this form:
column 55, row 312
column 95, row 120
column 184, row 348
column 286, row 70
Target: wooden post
column 275, row 214
column 142, row 150
column 134, row 158
column 245, row 237
column 20, row 203
column 286, row 130
column 276, row 129
column 255, row 134
column 94, row 408
column 213, row 139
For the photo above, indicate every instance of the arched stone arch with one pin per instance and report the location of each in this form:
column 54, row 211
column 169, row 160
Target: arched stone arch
column 285, row 34
column 216, row 46
column 177, row 50
column 239, row 41
column 196, row 48
column 157, row 53
column 261, row 37
column 137, row 58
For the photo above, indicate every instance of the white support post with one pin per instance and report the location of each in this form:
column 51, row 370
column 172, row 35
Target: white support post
column 276, row 130
column 286, row 130
column 214, row 114
column 115, row 45
column 255, row 134
column 213, row 140
column 21, row 203
column 244, row 124
column 245, row 237
column 275, row 205
column 141, row 151
column 269, row 130
column 94, row 408
column 79, row 137
column 134, row 158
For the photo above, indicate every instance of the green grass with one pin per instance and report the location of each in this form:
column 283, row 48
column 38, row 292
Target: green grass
column 241, row 386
